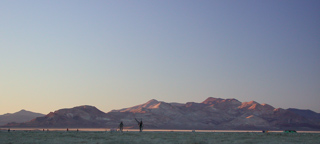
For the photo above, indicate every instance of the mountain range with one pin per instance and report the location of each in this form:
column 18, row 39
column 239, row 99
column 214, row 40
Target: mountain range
column 18, row 117
column 211, row 114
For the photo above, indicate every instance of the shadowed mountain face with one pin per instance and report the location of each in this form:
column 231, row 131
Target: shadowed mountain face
column 310, row 115
column 81, row 116
column 213, row 113
column 18, row 117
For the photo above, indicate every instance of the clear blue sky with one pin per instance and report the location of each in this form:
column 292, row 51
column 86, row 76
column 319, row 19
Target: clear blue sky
column 116, row 54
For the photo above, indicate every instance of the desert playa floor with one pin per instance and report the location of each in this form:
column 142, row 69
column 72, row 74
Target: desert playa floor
column 100, row 137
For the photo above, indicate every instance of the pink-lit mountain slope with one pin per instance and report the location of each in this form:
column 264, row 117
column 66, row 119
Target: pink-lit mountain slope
column 212, row 113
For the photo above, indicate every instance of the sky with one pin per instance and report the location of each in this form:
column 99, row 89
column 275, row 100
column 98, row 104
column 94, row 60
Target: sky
column 117, row 54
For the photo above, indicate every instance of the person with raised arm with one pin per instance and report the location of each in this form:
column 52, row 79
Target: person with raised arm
column 140, row 124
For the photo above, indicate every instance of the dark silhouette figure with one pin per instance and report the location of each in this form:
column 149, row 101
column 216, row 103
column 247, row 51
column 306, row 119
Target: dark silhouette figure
column 140, row 124
column 8, row 130
column 67, row 129
column 121, row 126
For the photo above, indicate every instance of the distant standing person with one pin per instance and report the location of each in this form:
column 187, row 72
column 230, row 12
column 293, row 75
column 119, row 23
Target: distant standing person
column 140, row 124
column 121, row 126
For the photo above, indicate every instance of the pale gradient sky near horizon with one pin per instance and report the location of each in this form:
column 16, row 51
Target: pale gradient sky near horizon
column 117, row 54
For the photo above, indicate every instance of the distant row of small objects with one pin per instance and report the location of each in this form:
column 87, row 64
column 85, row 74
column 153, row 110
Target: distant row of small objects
column 285, row 131
column 115, row 130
